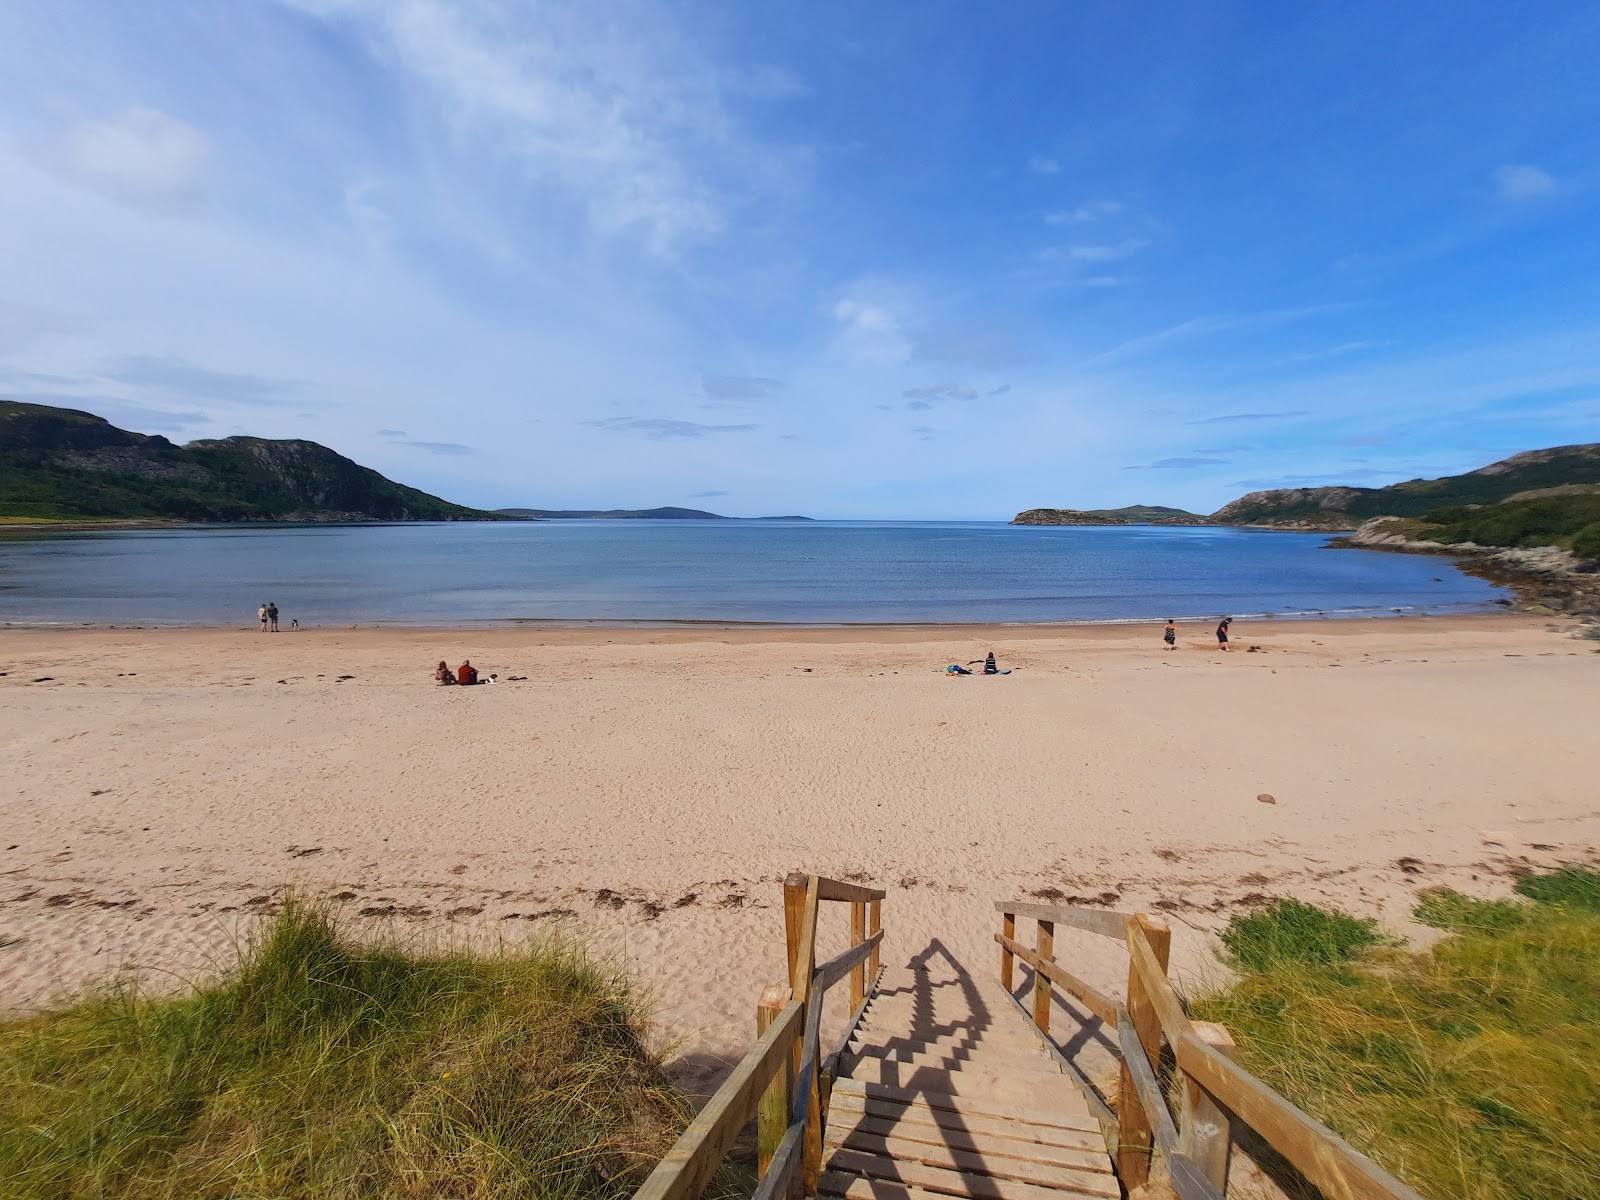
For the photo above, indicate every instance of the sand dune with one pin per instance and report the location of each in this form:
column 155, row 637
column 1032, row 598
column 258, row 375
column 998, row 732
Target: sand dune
column 652, row 787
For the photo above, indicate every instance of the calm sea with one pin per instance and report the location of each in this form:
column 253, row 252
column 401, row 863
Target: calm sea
column 824, row 572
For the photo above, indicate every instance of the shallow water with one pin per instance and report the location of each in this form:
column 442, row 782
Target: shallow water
column 824, row 572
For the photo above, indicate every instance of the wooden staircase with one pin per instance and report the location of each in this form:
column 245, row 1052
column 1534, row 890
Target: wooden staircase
column 938, row 1095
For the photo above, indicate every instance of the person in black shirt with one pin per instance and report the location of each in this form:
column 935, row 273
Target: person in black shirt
column 1222, row 632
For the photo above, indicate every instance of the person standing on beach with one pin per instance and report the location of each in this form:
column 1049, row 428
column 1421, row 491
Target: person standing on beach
column 262, row 614
column 272, row 615
column 1170, row 637
column 1222, row 632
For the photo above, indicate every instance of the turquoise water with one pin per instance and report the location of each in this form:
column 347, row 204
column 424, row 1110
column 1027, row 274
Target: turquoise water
column 823, row 572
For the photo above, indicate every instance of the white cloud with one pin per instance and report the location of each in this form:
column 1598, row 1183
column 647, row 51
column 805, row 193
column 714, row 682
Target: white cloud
column 1092, row 211
column 1041, row 165
column 623, row 116
column 140, row 156
column 1520, row 182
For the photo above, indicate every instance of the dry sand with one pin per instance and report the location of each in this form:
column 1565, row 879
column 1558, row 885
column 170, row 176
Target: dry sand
column 651, row 787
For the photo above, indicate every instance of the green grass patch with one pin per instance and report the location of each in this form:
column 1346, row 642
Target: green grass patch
column 324, row 1067
column 1288, row 932
column 1471, row 1070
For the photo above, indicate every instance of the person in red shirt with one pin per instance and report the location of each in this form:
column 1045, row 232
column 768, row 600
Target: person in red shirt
column 466, row 672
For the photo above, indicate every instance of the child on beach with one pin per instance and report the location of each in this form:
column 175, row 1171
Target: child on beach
column 1171, row 635
column 443, row 674
column 262, row 614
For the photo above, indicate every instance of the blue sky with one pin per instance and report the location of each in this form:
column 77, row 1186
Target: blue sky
column 900, row 259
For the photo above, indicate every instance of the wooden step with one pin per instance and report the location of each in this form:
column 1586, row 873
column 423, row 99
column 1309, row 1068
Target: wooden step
column 983, row 1159
column 1040, row 1084
column 1072, row 1114
column 843, row 1164
column 884, row 1135
column 992, row 1064
column 1072, row 1128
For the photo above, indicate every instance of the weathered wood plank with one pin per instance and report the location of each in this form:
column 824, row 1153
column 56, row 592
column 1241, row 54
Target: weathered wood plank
column 1074, row 1130
column 683, row 1173
column 956, row 1183
column 856, row 1134
column 854, row 893
column 1205, row 1132
column 772, row 1117
column 1008, row 934
column 835, row 969
column 1134, row 1131
column 962, row 1104
column 1098, row 1003
column 1147, row 1089
column 1095, row 920
column 980, row 1160
column 858, row 934
column 1044, row 951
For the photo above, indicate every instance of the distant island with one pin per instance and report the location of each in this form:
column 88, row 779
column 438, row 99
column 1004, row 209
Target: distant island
column 1531, row 521
column 1133, row 514
column 626, row 514
column 60, row 464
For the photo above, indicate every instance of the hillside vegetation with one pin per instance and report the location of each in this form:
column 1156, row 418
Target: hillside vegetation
column 58, row 463
column 1471, row 1070
column 1561, row 467
column 323, row 1068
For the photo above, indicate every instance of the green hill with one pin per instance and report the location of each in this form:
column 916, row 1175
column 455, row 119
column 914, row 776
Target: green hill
column 59, row 463
column 1345, row 507
column 1133, row 514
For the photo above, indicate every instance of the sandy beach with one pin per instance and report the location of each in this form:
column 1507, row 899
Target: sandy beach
column 651, row 787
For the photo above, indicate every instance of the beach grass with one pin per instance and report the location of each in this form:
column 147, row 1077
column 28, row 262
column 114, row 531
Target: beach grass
column 325, row 1066
column 1470, row 1070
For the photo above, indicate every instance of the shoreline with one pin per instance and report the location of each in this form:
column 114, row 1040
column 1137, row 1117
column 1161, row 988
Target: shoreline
column 869, row 628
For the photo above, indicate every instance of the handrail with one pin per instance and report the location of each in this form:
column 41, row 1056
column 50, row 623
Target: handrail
column 780, row 1076
column 1194, row 1152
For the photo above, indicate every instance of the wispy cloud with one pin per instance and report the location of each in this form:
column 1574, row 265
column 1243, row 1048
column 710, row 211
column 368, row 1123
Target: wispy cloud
column 1522, row 182
column 1239, row 418
column 1103, row 252
column 1092, row 211
column 662, row 428
column 1178, row 464
column 941, row 391
column 739, row 387
column 446, row 448
column 181, row 377
column 139, row 156
column 1041, row 165
column 624, row 115
column 390, row 433
column 711, row 495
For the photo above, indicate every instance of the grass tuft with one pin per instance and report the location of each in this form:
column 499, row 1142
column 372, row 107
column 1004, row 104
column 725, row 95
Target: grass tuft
column 328, row 1068
column 1471, row 1070
column 1290, row 931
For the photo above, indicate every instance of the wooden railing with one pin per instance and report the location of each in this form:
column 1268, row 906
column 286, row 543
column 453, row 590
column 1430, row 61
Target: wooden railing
column 783, row 1080
column 1188, row 1155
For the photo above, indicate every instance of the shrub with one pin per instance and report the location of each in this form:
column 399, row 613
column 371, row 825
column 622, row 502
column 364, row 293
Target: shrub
column 1290, row 931
column 1570, row 887
column 1586, row 543
column 1445, row 908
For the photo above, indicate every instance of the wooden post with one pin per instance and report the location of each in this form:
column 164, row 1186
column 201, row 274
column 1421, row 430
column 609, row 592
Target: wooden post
column 874, row 925
column 858, row 973
column 1204, row 1132
column 794, row 916
column 772, row 1118
column 1134, row 1138
column 1008, row 960
column 1045, row 945
column 803, row 964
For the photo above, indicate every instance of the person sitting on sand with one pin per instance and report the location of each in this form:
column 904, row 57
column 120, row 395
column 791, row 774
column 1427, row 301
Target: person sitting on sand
column 1222, row 632
column 989, row 665
column 466, row 673
column 444, row 674
column 1171, row 635
column 956, row 669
